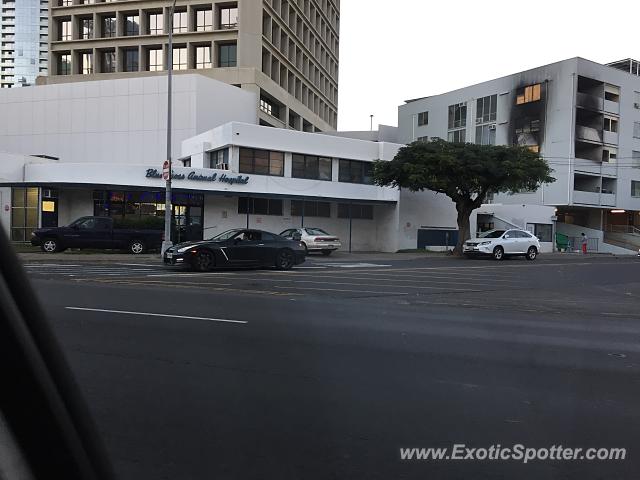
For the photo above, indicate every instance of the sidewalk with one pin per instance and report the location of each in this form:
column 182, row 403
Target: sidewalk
column 154, row 258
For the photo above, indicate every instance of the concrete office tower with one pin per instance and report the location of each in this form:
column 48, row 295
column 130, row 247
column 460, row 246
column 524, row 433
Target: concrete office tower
column 23, row 42
column 286, row 51
column 584, row 119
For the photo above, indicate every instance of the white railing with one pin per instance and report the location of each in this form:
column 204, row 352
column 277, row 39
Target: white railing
column 623, row 229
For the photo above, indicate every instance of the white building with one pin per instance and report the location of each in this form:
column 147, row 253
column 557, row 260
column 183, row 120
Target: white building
column 97, row 148
column 584, row 119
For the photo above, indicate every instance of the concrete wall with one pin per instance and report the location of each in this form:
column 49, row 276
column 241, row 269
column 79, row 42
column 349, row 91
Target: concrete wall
column 221, row 213
column 116, row 121
column 5, row 214
column 422, row 210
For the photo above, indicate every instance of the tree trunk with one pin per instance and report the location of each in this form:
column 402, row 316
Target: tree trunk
column 464, row 227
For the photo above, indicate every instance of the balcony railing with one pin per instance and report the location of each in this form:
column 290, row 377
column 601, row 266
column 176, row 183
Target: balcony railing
column 589, row 134
column 590, row 102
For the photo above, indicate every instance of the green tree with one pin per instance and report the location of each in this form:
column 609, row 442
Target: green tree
column 464, row 172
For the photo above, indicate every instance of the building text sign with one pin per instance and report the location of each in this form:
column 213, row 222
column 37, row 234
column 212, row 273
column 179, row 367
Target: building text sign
column 198, row 177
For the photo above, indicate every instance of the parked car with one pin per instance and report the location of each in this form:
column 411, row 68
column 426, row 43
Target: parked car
column 96, row 232
column 314, row 239
column 503, row 243
column 238, row 248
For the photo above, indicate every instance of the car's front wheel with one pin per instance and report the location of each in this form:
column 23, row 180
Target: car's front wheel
column 498, row 253
column 137, row 247
column 285, row 259
column 203, row 261
column 50, row 245
column 532, row 253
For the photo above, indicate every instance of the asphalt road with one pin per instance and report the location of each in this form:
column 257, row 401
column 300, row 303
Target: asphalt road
column 327, row 371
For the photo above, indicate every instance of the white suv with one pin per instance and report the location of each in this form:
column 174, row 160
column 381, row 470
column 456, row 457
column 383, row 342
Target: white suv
column 502, row 243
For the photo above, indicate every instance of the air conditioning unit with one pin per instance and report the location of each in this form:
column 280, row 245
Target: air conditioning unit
column 636, row 105
column 492, row 127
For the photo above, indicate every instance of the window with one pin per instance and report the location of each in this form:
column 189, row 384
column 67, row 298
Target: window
column 132, row 25
column 204, row 20
column 108, row 62
column 311, row 167
column 457, row 116
column 486, row 108
column 636, row 129
column 261, row 162
column 156, row 24
column 66, row 3
column 227, row 55
column 86, row 28
column 203, row 57
column 108, row 27
column 24, row 213
column 635, row 159
column 219, row 159
column 423, row 118
column 64, row 64
column 228, row 17
column 65, row 30
column 130, row 59
column 180, row 24
column 422, row 139
column 180, row 58
column 354, row 171
column 269, row 107
column 609, row 155
column 485, row 134
column 155, row 59
column 457, row 136
column 310, row 209
column 635, row 188
column 636, row 100
column 86, row 60
column 528, row 94
column 610, row 125
column 357, row 211
column 260, row 206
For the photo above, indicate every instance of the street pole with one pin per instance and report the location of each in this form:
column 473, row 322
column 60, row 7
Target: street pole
column 166, row 243
column 371, row 127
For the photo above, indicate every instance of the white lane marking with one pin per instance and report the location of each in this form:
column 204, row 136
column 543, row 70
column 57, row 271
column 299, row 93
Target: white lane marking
column 354, row 265
column 148, row 314
column 31, row 265
column 139, row 265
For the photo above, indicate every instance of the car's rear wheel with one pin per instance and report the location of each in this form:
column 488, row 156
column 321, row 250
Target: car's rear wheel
column 50, row 245
column 532, row 253
column 498, row 253
column 326, row 253
column 204, row 261
column 137, row 247
column 285, row 259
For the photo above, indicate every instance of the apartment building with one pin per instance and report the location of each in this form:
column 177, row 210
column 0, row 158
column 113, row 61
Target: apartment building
column 285, row 51
column 584, row 119
column 23, row 42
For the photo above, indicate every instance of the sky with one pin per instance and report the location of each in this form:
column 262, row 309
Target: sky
column 395, row 50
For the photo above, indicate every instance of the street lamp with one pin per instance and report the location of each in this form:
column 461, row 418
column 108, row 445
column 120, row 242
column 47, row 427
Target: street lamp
column 166, row 242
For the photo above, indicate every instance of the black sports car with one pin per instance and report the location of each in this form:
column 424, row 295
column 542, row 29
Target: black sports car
column 238, row 248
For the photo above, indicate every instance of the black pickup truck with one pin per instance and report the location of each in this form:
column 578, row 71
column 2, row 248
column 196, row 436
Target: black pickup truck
column 96, row 232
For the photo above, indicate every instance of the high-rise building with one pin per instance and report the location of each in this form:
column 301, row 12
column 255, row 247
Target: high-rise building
column 286, row 51
column 23, row 41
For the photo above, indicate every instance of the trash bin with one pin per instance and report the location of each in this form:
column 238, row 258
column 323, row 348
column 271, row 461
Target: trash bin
column 562, row 242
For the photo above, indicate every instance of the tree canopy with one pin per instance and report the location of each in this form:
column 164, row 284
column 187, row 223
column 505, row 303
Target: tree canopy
column 465, row 172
